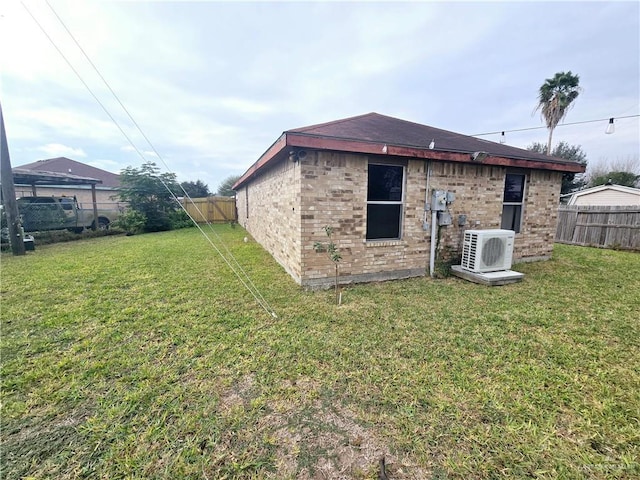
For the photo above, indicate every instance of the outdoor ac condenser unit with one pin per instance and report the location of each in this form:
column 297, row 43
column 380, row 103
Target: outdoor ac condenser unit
column 487, row 250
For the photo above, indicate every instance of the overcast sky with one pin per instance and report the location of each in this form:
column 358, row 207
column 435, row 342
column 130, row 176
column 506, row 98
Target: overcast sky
column 213, row 84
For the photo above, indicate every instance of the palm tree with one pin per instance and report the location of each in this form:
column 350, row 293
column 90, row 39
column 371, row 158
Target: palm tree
column 555, row 98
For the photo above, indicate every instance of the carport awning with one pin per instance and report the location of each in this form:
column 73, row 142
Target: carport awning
column 30, row 177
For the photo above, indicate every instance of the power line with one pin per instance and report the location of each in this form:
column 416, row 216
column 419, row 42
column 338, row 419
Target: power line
column 560, row 125
column 237, row 269
column 83, row 82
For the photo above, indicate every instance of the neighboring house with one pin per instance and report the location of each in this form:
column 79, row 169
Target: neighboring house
column 614, row 195
column 371, row 178
column 110, row 182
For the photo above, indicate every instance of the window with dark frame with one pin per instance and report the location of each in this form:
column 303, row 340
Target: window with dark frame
column 513, row 201
column 385, row 195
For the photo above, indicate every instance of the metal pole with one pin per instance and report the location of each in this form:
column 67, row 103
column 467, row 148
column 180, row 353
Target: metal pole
column 9, row 194
column 95, row 207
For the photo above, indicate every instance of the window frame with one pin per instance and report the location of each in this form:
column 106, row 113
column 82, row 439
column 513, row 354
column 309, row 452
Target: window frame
column 400, row 203
column 516, row 218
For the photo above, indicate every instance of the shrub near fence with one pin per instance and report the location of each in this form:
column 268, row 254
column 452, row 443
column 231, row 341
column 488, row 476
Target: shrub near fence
column 211, row 209
column 599, row 226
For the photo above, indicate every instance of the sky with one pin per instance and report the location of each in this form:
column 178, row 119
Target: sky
column 212, row 85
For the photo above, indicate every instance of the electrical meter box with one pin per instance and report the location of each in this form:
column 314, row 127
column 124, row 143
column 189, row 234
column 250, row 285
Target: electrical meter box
column 439, row 200
column 444, row 218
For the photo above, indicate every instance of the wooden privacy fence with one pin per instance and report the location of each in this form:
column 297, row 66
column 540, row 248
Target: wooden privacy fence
column 599, row 226
column 213, row 209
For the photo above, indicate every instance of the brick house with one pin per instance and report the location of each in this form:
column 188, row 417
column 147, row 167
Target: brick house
column 371, row 177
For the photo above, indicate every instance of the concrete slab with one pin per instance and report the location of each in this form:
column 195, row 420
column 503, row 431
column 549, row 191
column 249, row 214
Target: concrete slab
column 491, row 279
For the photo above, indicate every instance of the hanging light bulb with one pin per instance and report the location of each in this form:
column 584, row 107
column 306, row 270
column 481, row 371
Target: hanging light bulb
column 611, row 128
column 502, row 139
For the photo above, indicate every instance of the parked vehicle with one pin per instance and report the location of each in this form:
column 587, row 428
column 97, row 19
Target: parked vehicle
column 59, row 213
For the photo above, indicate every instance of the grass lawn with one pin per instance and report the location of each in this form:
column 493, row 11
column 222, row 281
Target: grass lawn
column 144, row 357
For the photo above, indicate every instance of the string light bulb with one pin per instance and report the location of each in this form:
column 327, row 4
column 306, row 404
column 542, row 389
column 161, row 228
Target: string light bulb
column 611, row 128
column 502, row 138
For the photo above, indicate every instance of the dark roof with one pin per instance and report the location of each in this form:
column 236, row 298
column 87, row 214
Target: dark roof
column 373, row 133
column 22, row 176
column 67, row 166
column 378, row 128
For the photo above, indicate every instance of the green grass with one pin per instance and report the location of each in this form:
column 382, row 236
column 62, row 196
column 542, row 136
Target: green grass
column 144, row 357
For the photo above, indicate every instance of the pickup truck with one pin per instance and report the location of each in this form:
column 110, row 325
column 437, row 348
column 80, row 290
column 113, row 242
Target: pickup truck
column 58, row 213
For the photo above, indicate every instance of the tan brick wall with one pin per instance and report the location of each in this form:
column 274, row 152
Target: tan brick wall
column 479, row 191
column 334, row 192
column 290, row 204
column 540, row 217
column 268, row 208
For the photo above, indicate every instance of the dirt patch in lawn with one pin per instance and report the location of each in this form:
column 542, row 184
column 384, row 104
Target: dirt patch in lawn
column 316, row 438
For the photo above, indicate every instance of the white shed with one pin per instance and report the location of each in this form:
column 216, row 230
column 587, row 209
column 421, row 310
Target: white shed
column 606, row 195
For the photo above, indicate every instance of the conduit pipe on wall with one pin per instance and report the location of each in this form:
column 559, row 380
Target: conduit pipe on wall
column 434, row 219
column 434, row 233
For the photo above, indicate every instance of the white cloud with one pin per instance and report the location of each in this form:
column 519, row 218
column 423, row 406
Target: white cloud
column 213, row 84
column 59, row 150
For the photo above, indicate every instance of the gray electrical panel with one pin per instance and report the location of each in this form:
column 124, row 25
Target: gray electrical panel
column 444, row 218
column 439, row 200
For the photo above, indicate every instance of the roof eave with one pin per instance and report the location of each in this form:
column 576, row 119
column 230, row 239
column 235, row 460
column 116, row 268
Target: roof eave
column 30, row 177
column 317, row 142
column 359, row 146
column 266, row 158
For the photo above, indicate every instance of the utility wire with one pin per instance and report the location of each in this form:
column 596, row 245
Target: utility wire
column 560, row 125
column 237, row 269
column 261, row 300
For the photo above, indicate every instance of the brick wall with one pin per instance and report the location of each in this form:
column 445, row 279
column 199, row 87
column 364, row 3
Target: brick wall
column 289, row 205
column 268, row 208
column 334, row 192
column 540, row 217
column 479, row 191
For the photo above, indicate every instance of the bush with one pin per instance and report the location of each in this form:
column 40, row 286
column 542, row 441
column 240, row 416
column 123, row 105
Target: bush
column 179, row 219
column 150, row 193
column 131, row 222
column 157, row 220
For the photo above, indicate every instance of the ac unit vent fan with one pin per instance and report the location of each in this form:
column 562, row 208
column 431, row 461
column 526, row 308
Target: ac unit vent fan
column 487, row 250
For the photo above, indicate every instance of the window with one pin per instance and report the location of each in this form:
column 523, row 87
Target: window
column 512, row 201
column 384, row 201
column 67, row 203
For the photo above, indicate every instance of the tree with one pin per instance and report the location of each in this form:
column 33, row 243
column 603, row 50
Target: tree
column 150, row 193
column 627, row 179
column 570, row 181
column 331, row 249
column 197, row 189
column 225, row 190
column 622, row 171
column 555, row 98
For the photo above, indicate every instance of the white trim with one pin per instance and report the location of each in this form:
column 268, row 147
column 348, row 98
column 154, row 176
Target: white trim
column 600, row 188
